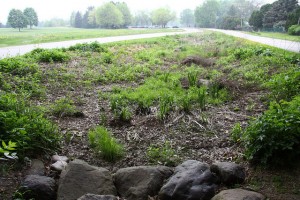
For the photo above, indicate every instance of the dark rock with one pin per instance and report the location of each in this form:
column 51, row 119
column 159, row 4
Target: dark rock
column 56, row 158
column 238, row 194
column 192, row 180
column 38, row 187
column 37, row 168
column 229, row 173
column 97, row 197
column 137, row 183
column 80, row 178
column 205, row 62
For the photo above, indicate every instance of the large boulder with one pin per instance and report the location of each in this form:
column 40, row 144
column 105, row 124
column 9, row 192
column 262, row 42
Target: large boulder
column 229, row 173
column 137, row 183
column 80, row 178
column 38, row 187
column 192, row 180
column 238, row 194
column 97, row 197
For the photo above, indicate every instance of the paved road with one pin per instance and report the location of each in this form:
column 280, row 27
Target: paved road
column 20, row 50
column 282, row 44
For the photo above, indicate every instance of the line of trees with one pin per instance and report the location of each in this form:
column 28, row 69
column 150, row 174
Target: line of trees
column 118, row 15
column 18, row 19
column 280, row 14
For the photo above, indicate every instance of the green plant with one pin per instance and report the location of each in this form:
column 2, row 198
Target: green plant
column 273, row 138
column 18, row 66
column 201, row 97
column 26, row 126
column 165, row 154
column 165, row 104
column 102, row 142
column 236, row 132
column 7, row 150
column 51, row 55
column 119, row 106
column 193, row 78
column 93, row 47
column 63, row 107
column 294, row 30
column 186, row 103
column 107, row 57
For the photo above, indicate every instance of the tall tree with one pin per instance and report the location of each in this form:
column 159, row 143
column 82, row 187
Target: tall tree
column 31, row 17
column 85, row 18
column 123, row 8
column 109, row 16
column 142, row 18
column 187, row 17
column 16, row 19
column 207, row 14
column 293, row 18
column 78, row 20
column 72, row 19
column 278, row 14
column 162, row 16
column 256, row 20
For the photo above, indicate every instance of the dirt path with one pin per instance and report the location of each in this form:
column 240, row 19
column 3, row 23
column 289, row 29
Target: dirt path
column 20, row 50
column 282, row 44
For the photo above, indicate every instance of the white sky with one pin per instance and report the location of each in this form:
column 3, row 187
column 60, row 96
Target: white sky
column 63, row 8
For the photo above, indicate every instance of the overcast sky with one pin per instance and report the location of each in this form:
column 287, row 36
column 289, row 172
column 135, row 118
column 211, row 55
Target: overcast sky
column 63, row 8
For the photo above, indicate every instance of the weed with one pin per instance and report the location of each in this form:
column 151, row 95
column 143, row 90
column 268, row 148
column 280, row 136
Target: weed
column 186, row 103
column 63, row 107
column 273, row 138
column 107, row 57
column 51, row 55
column 165, row 104
column 236, row 132
column 119, row 106
column 201, row 97
column 102, row 142
column 165, row 155
column 93, row 47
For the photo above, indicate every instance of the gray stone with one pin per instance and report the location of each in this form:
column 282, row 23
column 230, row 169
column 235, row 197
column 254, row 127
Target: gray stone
column 97, row 197
column 192, row 180
column 229, row 173
column 137, row 183
column 238, row 194
column 59, row 166
column 37, row 168
column 80, row 178
column 38, row 187
column 56, row 158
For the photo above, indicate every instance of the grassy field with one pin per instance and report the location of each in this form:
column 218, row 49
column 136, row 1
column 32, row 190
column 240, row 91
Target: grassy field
column 283, row 36
column 157, row 101
column 12, row 37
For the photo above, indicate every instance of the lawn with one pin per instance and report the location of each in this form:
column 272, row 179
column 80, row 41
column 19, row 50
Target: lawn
column 12, row 37
column 283, row 36
column 158, row 101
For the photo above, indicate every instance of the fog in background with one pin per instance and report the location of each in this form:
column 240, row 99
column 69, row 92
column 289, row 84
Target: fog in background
column 63, row 8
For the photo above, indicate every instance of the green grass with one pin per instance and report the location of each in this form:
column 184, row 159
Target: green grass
column 12, row 37
column 283, row 36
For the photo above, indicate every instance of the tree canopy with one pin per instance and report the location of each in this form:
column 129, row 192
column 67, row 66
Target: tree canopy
column 31, row 16
column 142, row 18
column 207, row 14
column 162, row 16
column 109, row 16
column 17, row 19
column 123, row 8
column 187, row 17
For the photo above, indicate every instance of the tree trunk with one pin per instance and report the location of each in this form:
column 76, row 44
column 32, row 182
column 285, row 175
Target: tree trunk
column 19, row 29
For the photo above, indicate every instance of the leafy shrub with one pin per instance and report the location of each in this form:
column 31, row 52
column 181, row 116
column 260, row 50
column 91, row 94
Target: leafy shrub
column 294, row 30
column 102, row 142
column 164, row 155
column 107, row 58
column 63, row 107
column 285, row 85
column 18, row 66
column 51, row 55
column 7, row 150
column 93, row 47
column 26, row 126
column 274, row 138
column 243, row 53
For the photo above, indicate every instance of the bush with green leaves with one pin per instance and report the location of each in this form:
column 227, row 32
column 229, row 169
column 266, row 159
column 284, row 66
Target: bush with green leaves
column 49, row 55
column 164, row 155
column 294, row 30
column 63, row 107
column 274, row 137
column 26, row 126
column 19, row 66
column 103, row 143
column 8, row 150
column 285, row 85
column 84, row 47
